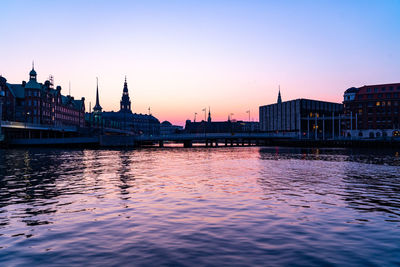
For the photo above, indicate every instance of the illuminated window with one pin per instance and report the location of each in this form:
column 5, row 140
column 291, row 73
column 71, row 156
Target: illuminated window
column 378, row 104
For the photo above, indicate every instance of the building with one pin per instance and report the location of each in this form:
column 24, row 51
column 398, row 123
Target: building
column 167, row 128
column 39, row 103
column 372, row 111
column 303, row 118
column 228, row 126
column 124, row 119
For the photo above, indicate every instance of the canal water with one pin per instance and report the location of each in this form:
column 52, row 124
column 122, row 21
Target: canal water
column 236, row 206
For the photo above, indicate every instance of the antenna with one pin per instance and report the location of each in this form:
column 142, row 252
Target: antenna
column 149, row 111
column 69, row 88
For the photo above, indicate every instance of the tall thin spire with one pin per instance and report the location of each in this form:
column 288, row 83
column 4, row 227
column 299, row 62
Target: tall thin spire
column 279, row 96
column 97, row 107
column 209, row 115
column 33, row 64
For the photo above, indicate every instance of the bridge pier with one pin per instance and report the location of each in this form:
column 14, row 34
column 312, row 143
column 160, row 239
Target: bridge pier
column 161, row 143
column 188, row 143
column 216, row 143
column 226, row 142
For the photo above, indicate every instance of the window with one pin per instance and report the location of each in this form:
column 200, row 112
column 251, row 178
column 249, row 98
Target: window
column 388, row 95
column 383, row 89
column 370, row 96
column 368, row 90
column 376, row 90
column 379, row 95
column 378, row 104
column 390, row 88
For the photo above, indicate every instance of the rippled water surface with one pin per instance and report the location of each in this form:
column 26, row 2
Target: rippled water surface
column 199, row 206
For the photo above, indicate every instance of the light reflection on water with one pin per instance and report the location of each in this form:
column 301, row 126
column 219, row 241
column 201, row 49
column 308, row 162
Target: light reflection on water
column 199, row 206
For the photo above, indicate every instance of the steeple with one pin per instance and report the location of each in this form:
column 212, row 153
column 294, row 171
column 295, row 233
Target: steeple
column 97, row 107
column 279, row 96
column 125, row 104
column 32, row 73
column 209, row 115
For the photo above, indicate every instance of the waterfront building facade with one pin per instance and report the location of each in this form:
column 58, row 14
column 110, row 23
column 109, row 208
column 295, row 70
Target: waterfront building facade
column 39, row 103
column 229, row 126
column 303, row 118
column 167, row 128
column 125, row 119
column 372, row 111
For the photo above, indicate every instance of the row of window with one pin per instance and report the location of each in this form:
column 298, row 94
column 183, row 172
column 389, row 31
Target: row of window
column 383, row 89
column 371, row 96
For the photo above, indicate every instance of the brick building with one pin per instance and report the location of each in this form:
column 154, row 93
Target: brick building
column 39, row 103
column 372, row 110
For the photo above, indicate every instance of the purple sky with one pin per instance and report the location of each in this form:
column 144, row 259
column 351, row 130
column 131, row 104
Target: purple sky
column 182, row 56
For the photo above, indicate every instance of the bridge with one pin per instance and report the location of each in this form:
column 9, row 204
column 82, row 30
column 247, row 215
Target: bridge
column 210, row 139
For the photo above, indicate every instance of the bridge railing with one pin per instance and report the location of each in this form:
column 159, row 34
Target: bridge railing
column 202, row 136
column 35, row 126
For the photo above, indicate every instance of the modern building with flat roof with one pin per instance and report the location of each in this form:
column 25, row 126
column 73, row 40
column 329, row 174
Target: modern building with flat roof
column 303, row 118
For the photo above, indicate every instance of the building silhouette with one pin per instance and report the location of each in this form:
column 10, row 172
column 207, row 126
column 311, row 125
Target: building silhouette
column 228, row 126
column 301, row 118
column 125, row 119
column 40, row 103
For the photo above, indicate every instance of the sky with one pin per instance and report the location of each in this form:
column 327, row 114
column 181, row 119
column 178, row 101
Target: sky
column 182, row 56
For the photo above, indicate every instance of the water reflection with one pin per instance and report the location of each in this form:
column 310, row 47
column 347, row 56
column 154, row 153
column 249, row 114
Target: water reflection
column 369, row 182
column 199, row 206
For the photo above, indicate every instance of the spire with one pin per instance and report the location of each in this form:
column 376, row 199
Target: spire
column 125, row 103
column 97, row 107
column 279, row 96
column 209, row 115
column 125, row 86
column 33, row 65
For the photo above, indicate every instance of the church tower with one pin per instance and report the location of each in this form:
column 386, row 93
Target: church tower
column 125, row 104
